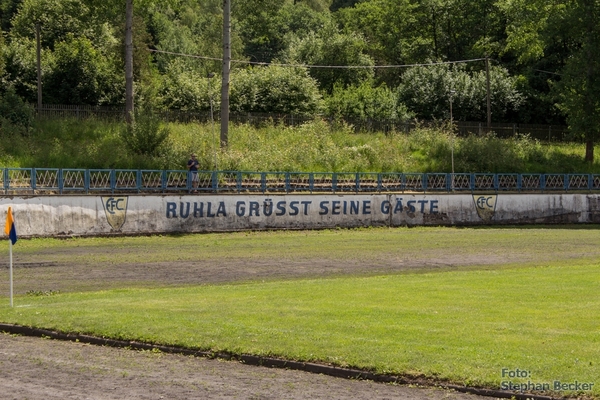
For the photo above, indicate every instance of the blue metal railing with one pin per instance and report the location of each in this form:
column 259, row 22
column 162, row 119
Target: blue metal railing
column 65, row 181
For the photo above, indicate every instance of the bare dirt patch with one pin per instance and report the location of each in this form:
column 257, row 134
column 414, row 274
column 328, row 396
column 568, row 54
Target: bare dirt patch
column 66, row 276
column 35, row 368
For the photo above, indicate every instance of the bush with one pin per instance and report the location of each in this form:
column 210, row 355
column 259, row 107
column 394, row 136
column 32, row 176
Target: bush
column 186, row 90
column 363, row 102
column 274, row 90
column 15, row 110
column 316, row 146
column 331, row 47
column 81, row 74
column 488, row 154
column 145, row 136
column 426, row 91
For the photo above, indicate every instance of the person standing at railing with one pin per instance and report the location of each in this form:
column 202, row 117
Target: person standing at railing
column 192, row 166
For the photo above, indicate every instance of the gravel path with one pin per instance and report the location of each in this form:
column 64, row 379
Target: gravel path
column 36, row 368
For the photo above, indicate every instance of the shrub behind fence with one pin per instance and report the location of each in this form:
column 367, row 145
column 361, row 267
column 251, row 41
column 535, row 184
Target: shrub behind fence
column 553, row 133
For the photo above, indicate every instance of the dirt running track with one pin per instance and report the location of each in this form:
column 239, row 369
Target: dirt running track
column 35, row 368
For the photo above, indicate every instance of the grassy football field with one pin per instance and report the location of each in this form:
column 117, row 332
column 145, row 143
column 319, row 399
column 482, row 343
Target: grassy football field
column 506, row 308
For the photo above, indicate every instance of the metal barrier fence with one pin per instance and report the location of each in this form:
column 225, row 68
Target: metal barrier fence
column 95, row 181
column 463, row 128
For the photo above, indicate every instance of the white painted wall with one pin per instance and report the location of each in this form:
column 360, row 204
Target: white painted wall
column 91, row 215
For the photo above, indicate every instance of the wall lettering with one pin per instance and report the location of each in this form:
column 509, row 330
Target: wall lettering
column 298, row 208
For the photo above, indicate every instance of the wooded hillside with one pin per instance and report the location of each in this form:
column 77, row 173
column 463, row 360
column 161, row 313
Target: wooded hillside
column 544, row 59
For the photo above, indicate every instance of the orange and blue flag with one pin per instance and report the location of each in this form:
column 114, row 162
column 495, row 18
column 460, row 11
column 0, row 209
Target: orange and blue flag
column 9, row 228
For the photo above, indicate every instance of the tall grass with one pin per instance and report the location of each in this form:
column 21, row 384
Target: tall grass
column 315, row 146
column 65, row 143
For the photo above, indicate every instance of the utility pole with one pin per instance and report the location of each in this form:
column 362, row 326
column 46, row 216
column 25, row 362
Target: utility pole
column 39, row 67
column 487, row 85
column 129, row 62
column 212, row 119
column 226, row 68
column 452, row 93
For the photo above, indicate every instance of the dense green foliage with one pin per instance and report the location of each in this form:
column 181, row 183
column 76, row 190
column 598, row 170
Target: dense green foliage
column 364, row 102
column 314, row 146
column 545, row 58
column 564, row 35
column 276, row 90
column 421, row 89
column 83, row 62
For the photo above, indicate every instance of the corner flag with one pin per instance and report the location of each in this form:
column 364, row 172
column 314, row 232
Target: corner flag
column 10, row 229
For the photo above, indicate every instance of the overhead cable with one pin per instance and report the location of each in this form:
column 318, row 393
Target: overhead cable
column 317, row 66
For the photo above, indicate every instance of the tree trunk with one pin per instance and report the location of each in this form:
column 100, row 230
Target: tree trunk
column 226, row 68
column 129, row 61
column 589, row 151
column 488, row 94
column 39, row 67
column 590, row 79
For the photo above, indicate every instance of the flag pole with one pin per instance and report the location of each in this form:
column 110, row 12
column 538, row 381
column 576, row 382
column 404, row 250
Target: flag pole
column 11, row 231
column 11, row 272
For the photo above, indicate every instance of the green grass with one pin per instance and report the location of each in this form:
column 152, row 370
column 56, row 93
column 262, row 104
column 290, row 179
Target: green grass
column 313, row 147
column 506, row 245
column 462, row 324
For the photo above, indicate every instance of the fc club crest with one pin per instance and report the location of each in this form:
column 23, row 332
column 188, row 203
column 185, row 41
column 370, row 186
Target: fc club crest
column 115, row 209
column 485, row 206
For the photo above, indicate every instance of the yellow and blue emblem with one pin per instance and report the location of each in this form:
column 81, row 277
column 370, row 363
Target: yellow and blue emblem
column 485, row 204
column 115, row 208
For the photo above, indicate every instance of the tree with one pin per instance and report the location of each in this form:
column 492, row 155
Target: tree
column 96, row 52
column 58, row 18
column 365, row 102
column 129, row 105
column 317, row 5
column 403, row 32
column 532, row 32
column 2, row 60
column 392, row 28
column 426, row 91
column 274, row 90
column 330, row 47
column 79, row 75
column 580, row 85
column 462, row 29
column 266, row 28
column 337, row 4
column 8, row 8
column 259, row 27
column 195, row 28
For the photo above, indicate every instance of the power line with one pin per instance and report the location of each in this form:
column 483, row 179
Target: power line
column 547, row 72
column 317, row 66
column 184, row 55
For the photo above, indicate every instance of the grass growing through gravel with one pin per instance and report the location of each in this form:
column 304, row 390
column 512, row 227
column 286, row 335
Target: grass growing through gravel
column 457, row 324
column 366, row 245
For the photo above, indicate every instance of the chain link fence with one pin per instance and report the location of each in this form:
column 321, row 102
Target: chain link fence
column 552, row 133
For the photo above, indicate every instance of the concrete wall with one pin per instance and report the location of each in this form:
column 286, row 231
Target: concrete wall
column 93, row 215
